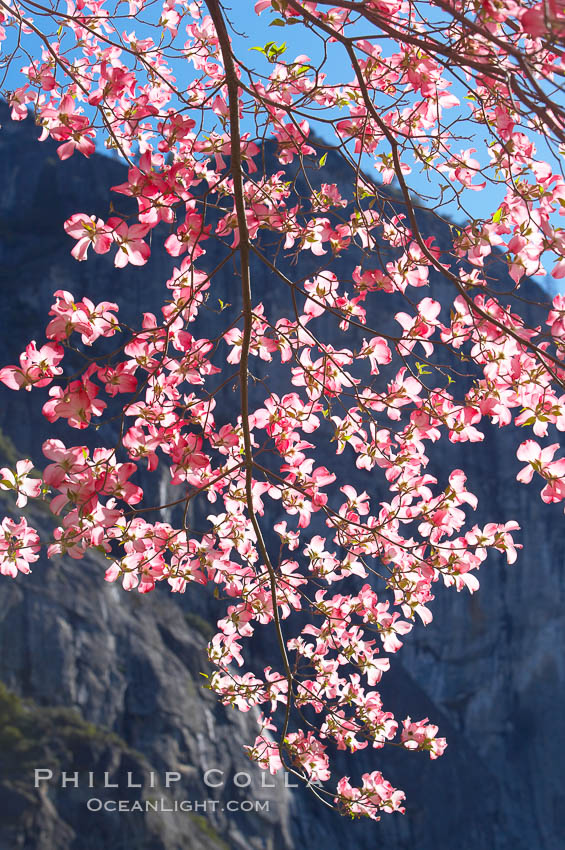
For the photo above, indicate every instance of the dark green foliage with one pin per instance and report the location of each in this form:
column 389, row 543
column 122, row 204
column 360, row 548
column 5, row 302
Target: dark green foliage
column 195, row 621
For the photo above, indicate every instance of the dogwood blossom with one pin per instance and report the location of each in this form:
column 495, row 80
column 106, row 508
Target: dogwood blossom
column 304, row 359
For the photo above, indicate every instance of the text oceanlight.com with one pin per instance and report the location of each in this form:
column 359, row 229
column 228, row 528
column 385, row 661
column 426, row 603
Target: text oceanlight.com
column 213, row 778
column 95, row 804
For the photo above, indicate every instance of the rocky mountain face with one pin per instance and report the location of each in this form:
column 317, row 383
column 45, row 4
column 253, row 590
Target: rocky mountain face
column 101, row 687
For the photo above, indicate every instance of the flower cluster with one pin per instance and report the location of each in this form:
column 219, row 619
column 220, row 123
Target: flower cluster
column 255, row 419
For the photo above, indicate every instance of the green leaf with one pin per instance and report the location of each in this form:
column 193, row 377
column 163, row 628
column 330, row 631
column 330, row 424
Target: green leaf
column 277, row 22
column 323, row 159
column 271, row 50
column 497, row 216
column 276, row 50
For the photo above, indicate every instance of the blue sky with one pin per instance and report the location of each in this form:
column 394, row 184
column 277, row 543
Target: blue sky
column 252, row 31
